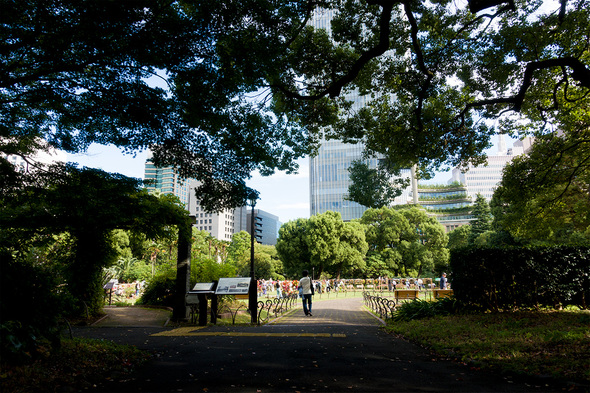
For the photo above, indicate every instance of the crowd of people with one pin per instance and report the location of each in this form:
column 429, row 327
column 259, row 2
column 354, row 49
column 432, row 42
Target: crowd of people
column 281, row 288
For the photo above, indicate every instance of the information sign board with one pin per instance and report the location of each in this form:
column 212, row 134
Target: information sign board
column 203, row 286
column 233, row 286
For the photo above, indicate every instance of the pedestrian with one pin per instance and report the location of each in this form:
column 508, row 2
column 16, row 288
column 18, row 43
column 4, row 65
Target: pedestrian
column 443, row 281
column 278, row 287
column 307, row 290
column 420, row 284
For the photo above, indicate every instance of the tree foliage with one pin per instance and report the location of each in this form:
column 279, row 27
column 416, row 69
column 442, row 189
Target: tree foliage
column 433, row 73
column 389, row 236
column 543, row 195
column 292, row 247
column 87, row 205
column 222, row 89
column 408, row 241
column 373, row 187
column 166, row 75
column 323, row 242
column 459, row 237
column 483, row 218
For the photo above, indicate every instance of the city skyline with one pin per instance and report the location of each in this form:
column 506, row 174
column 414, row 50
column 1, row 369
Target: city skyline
column 286, row 196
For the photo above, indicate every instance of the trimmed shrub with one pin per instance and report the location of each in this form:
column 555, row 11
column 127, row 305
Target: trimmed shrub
column 511, row 278
column 420, row 309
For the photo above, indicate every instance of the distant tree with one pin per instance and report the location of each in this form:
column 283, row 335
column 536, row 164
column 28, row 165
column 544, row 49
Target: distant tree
column 373, row 187
column 239, row 248
column 276, row 265
column 430, row 251
column 292, row 247
column 323, row 242
column 407, row 240
column 376, row 266
column 483, row 218
column 335, row 247
column 459, row 237
column 389, row 236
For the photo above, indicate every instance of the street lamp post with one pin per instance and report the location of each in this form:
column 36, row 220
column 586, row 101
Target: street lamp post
column 253, row 296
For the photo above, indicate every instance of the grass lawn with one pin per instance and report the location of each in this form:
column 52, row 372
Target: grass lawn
column 550, row 343
column 77, row 365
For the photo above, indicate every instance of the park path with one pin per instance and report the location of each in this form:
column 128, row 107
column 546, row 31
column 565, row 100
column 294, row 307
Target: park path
column 341, row 348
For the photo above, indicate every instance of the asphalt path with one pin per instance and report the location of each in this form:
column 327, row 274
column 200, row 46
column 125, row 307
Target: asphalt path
column 340, row 348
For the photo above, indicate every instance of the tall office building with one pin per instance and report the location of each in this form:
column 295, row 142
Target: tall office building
column 266, row 227
column 166, row 180
column 484, row 179
column 328, row 171
column 221, row 225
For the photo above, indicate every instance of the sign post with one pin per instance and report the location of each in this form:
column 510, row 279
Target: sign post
column 253, row 298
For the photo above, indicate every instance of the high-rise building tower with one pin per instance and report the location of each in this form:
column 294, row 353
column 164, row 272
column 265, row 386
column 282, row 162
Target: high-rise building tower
column 221, row 225
column 266, row 227
column 329, row 177
column 484, row 179
column 166, row 180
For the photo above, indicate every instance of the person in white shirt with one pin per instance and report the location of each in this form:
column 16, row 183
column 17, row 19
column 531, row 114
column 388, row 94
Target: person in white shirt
column 307, row 286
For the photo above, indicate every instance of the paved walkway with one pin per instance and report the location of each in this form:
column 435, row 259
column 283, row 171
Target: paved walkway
column 340, row 348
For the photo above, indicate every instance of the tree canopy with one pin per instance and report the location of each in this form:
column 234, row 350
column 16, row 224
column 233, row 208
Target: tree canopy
column 407, row 242
column 543, row 195
column 220, row 89
column 483, row 218
column 87, row 205
column 373, row 187
column 170, row 76
column 323, row 242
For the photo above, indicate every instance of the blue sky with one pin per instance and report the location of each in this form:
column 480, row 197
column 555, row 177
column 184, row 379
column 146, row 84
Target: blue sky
column 286, row 196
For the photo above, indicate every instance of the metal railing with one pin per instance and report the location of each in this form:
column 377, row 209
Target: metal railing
column 274, row 307
column 382, row 306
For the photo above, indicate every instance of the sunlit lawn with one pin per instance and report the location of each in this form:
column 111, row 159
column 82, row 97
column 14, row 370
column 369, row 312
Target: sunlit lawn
column 550, row 343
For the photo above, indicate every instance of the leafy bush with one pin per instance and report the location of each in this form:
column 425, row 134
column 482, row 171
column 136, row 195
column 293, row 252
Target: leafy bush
column 511, row 278
column 31, row 308
column 420, row 309
column 209, row 270
column 159, row 291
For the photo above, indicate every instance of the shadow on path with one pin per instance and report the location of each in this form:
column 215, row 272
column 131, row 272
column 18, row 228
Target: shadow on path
column 341, row 348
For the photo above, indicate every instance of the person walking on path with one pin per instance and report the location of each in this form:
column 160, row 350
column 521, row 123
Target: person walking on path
column 307, row 290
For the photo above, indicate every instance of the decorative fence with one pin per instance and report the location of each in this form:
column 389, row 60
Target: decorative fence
column 274, row 307
column 382, row 306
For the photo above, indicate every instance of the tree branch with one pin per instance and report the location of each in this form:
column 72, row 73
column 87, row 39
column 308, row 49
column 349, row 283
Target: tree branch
column 580, row 73
column 335, row 89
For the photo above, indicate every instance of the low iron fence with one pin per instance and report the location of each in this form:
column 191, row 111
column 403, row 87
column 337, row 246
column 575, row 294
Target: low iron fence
column 382, row 306
column 275, row 307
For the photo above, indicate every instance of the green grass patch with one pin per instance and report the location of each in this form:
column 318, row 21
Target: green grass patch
column 78, row 364
column 550, row 343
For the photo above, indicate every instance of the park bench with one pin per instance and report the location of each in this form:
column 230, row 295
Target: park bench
column 405, row 294
column 440, row 293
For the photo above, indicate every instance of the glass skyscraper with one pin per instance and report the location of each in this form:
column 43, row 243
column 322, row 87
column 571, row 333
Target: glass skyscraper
column 329, row 176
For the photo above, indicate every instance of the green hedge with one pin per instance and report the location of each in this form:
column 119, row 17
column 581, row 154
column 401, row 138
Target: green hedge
column 510, row 278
